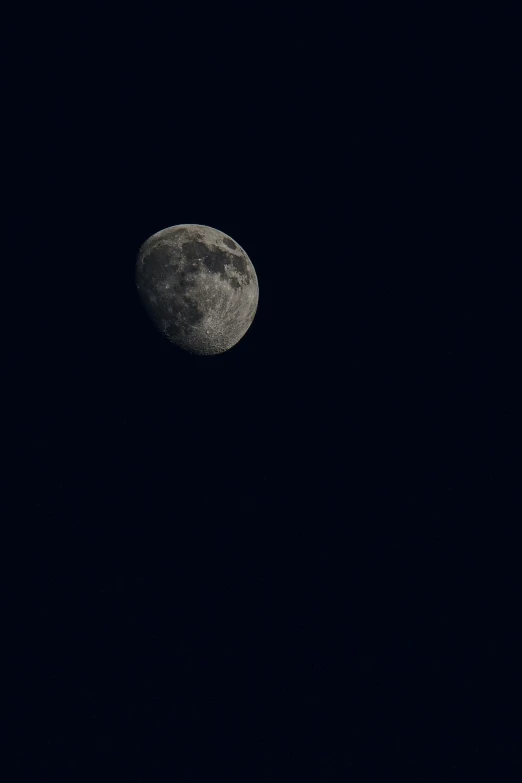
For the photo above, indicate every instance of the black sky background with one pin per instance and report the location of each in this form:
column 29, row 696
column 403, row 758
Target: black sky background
column 296, row 560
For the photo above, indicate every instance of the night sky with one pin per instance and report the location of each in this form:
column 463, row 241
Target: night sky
column 296, row 560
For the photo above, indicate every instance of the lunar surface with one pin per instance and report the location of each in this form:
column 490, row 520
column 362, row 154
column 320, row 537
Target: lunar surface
column 198, row 286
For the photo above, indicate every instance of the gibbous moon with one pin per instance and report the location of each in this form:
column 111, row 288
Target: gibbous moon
column 198, row 286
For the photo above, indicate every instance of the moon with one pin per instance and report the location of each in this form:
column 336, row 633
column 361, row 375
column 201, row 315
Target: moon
column 198, row 286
